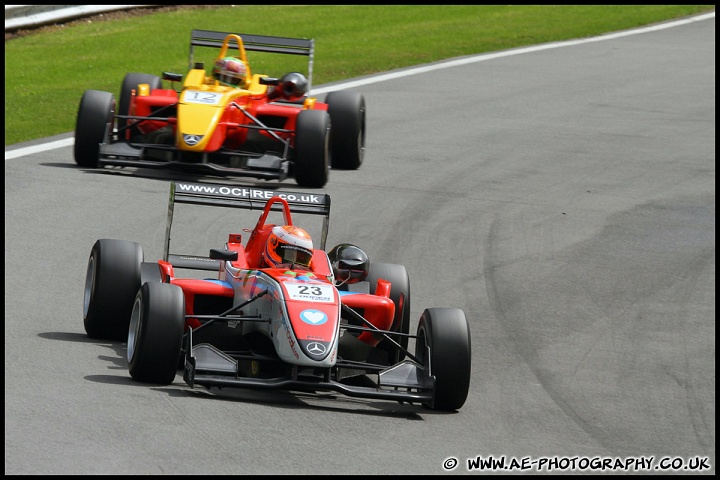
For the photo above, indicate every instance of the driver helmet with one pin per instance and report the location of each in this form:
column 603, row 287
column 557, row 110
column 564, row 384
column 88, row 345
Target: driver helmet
column 288, row 244
column 230, row 71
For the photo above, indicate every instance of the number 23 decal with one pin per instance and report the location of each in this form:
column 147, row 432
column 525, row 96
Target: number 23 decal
column 309, row 292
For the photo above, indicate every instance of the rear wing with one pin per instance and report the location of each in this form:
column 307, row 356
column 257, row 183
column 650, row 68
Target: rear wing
column 257, row 43
column 248, row 198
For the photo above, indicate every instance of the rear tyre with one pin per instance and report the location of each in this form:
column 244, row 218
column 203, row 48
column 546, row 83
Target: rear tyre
column 347, row 138
column 130, row 83
column 400, row 295
column 155, row 335
column 111, row 281
column 443, row 346
column 312, row 148
column 95, row 115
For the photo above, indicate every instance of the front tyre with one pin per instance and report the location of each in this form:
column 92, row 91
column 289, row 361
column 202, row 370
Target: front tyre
column 443, row 346
column 111, row 281
column 312, row 148
column 347, row 115
column 96, row 115
column 154, row 340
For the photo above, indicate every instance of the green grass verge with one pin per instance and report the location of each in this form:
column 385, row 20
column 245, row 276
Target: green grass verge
column 46, row 73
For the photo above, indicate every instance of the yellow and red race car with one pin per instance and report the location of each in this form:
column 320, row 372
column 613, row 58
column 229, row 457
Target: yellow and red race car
column 225, row 120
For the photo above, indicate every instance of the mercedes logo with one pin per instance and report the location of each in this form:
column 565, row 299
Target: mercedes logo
column 316, row 348
column 192, row 139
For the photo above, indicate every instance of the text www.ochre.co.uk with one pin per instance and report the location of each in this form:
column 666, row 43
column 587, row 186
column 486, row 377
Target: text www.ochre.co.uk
column 587, row 464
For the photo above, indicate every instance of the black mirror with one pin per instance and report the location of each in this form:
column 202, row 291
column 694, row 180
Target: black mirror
column 226, row 255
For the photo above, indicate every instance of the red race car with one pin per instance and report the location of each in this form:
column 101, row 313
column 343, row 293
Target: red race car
column 277, row 313
column 225, row 120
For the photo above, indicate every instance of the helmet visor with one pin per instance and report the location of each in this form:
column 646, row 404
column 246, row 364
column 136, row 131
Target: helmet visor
column 294, row 254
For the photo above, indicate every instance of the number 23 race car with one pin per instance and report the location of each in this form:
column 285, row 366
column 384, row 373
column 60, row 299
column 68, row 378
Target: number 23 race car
column 275, row 313
column 226, row 120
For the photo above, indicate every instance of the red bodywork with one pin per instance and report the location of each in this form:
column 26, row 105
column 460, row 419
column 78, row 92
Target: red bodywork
column 377, row 306
column 233, row 129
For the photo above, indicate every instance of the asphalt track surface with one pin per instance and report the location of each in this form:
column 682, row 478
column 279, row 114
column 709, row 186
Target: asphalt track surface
column 563, row 197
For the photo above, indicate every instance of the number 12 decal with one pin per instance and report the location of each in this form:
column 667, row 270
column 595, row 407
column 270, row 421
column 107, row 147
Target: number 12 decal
column 205, row 98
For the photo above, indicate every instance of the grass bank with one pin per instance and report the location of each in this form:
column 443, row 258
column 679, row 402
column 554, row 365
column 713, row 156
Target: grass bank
column 47, row 72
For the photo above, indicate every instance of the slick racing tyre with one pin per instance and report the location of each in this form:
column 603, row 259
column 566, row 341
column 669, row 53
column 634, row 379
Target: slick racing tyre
column 154, row 340
column 111, row 282
column 443, row 346
column 400, row 295
column 95, row 115
column 347, row 137
column 130, row 83
column 312, row 148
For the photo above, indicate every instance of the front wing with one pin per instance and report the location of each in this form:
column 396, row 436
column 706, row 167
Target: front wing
column 122, row 153
column 406, row 381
